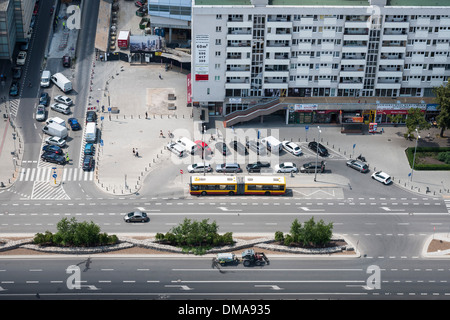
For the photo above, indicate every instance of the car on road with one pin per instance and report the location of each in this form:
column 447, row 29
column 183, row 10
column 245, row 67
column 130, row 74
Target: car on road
column 89, row 149
column 292, row 147
column 358, row 165
column 21, row 58
column 382, row 177
column 239, row 147
column 25, row 45
column 88, row 163
column 313, row 145
column 66, row 61
column 56, row 141
column 17, row 73
column 136, row 216
column 91, row 116
column 74, row 124
column 53, row 158
column 44, row 99
column 200, row 167
column 63, row 99
column 222, row 147
column 54, row 149
column 286, row 167
column 310, row 167
column 257, row 166
column 14, row 89
column 228, row 167
column 40, row 113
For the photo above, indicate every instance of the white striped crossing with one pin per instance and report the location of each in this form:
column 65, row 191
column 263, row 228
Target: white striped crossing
column 42, row 190
column 447, row 204
column 45, row 174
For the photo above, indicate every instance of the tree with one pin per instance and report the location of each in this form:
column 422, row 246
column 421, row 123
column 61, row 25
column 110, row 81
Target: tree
column 443, row 100
column 416, row 120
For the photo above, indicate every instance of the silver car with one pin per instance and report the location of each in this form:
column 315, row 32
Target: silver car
column 358, row 165
column 56, row 141
column 40, row 113
column 136, row 216
column 199, row 167
column 64, row 99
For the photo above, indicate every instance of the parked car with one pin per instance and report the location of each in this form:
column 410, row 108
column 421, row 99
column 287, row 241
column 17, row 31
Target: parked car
column 63, row 99
column 286, row 167
column 358, row 165
column 66, row 61
column 176, row 148
column 199, row 167
column 40, row 113
column 91, row 116
column 257, row 166
column 14, row 89
column 382, row 177
column 313, row 145
column 136, row 216
column 140, row 3
column 44, row 99
column 17, row 73
column 54, row 149
column 74, row 124
column 53, row 158
column 228, row 167
column 222, row 147
column 202, row 145
column 257, row 147
column 310, row 167
column 89, row 149
column 88, row 163
column 25, row 45
column 59, row 107
column 292, row 147
column 239, row 147
column 56, row 141
column 21, row 58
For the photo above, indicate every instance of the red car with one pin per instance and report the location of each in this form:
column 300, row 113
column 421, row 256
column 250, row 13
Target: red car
column 36, row 8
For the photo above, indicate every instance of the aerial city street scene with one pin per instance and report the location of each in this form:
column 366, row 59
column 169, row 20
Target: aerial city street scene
column 225, row 150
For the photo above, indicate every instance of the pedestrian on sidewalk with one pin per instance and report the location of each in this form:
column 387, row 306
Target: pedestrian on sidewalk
column 137, row 154
column 161, row 135
column 134, row 152
column 169, row 134
column 160, row 76
column 146, row 115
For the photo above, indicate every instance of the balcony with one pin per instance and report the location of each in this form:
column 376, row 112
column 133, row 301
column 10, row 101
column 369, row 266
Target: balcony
column 238, row 74
column 394, row 25
column 241, row 83
column 388, row 83
column 390, row 74
column 354, row 83
column 441, row 58
column 352, row 73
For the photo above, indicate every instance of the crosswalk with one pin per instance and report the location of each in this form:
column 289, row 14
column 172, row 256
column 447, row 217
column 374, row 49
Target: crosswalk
column 45, row 174
column 42, row 190
column 14, row 107
column 447, row 204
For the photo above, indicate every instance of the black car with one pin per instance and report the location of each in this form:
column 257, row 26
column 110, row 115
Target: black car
column 239, row 147
column 14, row 89
column 44, row 99
column 53, row 158
column 17, row 73
column 66, row 61
column 52, row 149
column 88, row 163
column 91, row 116
column 256, row 166
column 222, row 147
column 311, row 167
column 323, row 152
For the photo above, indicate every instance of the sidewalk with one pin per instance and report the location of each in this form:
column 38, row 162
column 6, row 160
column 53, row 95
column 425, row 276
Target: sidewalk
column 11, row 151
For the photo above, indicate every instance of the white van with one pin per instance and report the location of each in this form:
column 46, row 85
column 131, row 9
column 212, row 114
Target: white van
column 45, row 78
column 176, row 148
column 91, row 132
column 272, row 144
column 62, row 82
column 56, row 120
column 190, row 146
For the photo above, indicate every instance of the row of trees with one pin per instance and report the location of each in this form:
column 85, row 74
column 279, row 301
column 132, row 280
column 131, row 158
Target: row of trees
column 310, row 234
column 75, row 234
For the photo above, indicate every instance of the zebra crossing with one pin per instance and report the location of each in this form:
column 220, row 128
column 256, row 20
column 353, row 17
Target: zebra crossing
column 45, row 174
column 13, row 107
column 447, row 204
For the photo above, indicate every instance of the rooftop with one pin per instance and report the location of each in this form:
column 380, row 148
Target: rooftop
column 400, row 3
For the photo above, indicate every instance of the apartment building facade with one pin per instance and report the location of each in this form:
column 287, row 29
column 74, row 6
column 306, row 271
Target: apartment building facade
column 250, row 52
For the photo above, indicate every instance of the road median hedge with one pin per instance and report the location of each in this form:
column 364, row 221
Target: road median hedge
column 419, row 166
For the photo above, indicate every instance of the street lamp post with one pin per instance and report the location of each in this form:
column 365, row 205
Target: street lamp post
column 203, row 150
column 317, row 153
column 414, row 158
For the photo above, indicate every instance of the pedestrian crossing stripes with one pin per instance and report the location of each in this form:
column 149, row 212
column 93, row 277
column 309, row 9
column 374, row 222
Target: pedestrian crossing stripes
column 46, row 174
column 42, row 190
column 447, row 204
column 13, row 107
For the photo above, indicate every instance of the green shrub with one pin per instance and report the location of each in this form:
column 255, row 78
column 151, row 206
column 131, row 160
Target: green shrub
column 444, row 157
column 279, row 237
column 288, row 240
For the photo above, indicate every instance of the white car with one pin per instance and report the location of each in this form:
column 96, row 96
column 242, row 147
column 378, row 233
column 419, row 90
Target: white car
column 56, row 141
column 199, row 167
column 292, row 148
column 286, row 167
column 40, row 113
column 382, row 177
column 21, row 58
column 64, row 99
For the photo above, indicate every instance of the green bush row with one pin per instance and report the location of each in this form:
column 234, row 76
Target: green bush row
column 76, row 234
column 311, row 234
column 410, row 155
